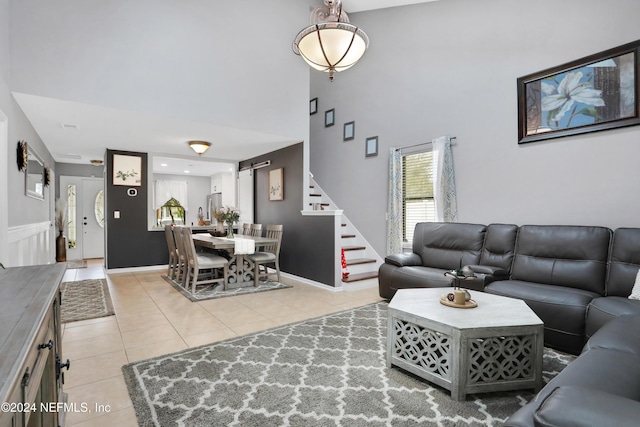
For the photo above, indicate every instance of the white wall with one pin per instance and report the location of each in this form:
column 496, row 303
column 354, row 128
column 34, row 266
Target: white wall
column 18, row 212
column 224, row 63
column 450, row 67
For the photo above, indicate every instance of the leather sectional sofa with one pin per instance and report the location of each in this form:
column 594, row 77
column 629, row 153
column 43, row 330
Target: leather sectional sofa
column 599, row 388
column 575, row 278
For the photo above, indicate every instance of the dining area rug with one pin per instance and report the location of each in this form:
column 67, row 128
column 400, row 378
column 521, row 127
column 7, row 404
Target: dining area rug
column 215, row 290
column 328, row 371
column 85, row 299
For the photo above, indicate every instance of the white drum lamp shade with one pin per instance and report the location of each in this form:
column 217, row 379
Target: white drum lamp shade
column 333, row 44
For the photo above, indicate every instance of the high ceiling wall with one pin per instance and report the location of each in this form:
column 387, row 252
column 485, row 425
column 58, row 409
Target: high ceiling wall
column 450, row 68
column 223, row 63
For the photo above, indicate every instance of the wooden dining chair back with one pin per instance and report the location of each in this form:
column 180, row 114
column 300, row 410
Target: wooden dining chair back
column 173, row 254
column 256, row 230
column 246, row 228
column 181, row 256
column 270, row 253
column 202, row 267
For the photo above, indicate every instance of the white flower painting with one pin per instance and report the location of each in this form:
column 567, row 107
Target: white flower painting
column 581, row 96
column 572, row 93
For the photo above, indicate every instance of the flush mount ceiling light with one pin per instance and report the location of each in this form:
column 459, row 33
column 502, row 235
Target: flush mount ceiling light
column 199, row 146
column 330, row 43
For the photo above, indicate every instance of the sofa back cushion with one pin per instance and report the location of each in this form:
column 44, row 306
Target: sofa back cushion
column 499, row 245
column 448, row 245
column 562, row 255
column 624, row 261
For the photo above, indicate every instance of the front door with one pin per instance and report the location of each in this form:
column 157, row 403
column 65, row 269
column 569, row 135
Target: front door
column 85, row 234
column 92, row 218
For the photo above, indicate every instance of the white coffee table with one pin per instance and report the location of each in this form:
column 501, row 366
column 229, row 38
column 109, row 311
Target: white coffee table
column 495, row 346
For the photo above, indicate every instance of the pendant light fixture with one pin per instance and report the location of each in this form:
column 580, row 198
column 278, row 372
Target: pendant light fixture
column 330, row 43
column 199, row 146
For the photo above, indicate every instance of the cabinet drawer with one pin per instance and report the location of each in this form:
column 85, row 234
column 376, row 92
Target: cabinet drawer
column 36, row 359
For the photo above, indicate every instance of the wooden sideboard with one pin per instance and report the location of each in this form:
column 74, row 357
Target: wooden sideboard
column 31, row 346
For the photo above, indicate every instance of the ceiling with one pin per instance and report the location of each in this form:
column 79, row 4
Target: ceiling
column 362, row 5
column 78, row 133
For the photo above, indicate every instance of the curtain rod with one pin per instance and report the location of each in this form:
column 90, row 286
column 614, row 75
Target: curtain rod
column 418, row 145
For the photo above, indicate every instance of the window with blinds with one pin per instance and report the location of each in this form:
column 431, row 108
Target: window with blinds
column 417, row 192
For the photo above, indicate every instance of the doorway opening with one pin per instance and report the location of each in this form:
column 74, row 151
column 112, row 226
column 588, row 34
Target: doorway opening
column 84, row 201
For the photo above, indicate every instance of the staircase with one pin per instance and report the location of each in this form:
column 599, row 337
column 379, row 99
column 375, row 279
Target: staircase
column 362, row 261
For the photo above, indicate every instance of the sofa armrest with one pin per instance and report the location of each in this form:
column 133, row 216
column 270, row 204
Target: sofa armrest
column 578, row 406
column 497, row 272
column 405, row 259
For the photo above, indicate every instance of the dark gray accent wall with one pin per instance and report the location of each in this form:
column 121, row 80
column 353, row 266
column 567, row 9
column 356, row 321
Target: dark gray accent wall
column 307, row 242
column 128, row 242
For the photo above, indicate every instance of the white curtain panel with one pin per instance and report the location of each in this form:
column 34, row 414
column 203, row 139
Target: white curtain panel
column 394, row 209
column 164, row 190
column 444, row 185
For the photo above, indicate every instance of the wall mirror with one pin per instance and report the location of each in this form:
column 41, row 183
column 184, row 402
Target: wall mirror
column 34, row 181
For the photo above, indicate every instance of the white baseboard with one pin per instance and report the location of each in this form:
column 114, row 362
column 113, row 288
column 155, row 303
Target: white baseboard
column 311, row 282
column 137, row 269
column 164, row 268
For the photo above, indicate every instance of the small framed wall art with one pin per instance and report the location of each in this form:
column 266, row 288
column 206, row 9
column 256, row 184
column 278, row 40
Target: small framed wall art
column 349, row 131
column 276, row 184
column 371, row 146
column 329, row 118
column 127, row 170
column 313, row 106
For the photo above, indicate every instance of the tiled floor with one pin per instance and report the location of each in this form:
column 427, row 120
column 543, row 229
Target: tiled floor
column 153, row 319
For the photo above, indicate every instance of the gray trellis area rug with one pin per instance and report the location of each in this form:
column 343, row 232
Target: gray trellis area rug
column 329, row 371
column 212, row 291
column 85, row 299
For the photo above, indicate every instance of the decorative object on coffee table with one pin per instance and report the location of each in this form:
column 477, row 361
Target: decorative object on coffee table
column 465, row 351
column 459, row 298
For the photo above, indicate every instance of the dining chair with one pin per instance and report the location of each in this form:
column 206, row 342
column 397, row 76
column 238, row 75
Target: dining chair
column 173, row 254
column 246, row 228
column 181, row 256
column 270, row 253
column 202, row 267
column 256, row 230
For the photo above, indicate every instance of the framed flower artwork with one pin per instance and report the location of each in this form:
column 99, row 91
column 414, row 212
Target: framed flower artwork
column 127, row 170
column 276, row 184
column 590, row 94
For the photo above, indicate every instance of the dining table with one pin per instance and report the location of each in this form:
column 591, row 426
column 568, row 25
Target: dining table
column 240, row 266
